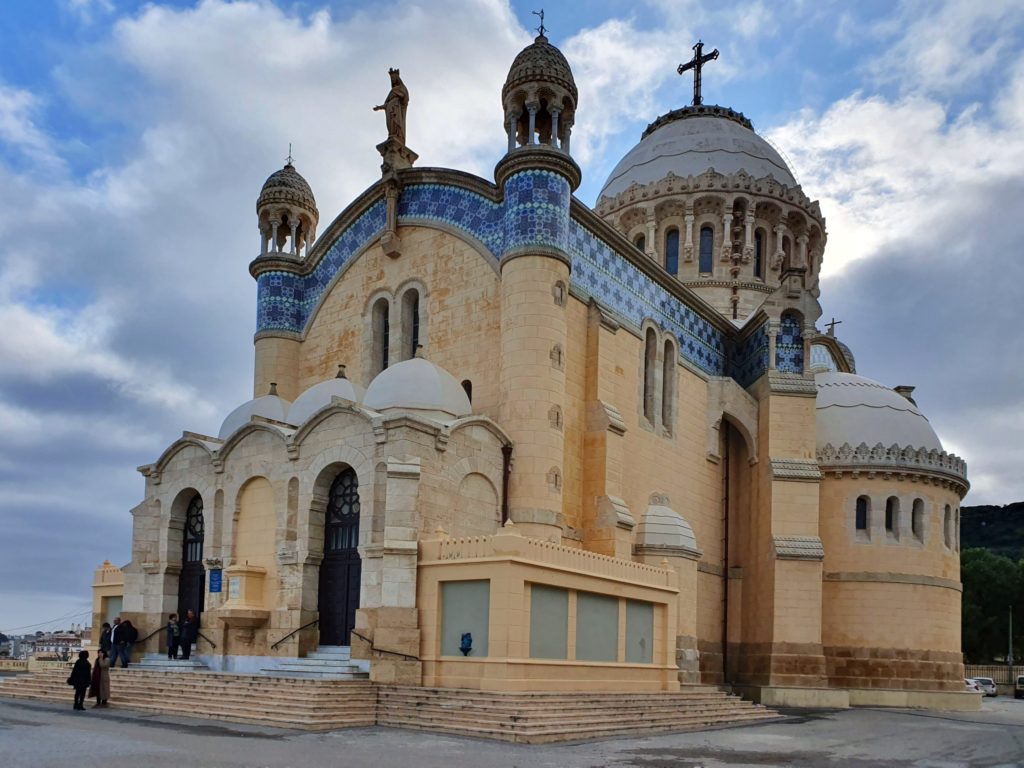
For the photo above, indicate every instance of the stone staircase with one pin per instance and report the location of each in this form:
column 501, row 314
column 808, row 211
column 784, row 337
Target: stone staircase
column 156, row 662
column 537, row 718
column 329, row 662
column 312, row 705
column 318, row 704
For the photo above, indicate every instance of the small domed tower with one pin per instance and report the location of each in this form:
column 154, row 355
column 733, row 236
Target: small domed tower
column 539, row 97
column 537, row 177
column 287, row 213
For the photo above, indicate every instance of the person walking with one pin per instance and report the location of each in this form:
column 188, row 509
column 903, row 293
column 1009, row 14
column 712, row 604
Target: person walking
column 173, row 636
column 80, row 677
column 127, row 635
column 105, row 643
column 189, row 633
column 116, row 632
column 100, row 685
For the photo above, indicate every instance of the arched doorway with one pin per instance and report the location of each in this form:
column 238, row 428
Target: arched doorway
column 340, row 569
column 192, row 580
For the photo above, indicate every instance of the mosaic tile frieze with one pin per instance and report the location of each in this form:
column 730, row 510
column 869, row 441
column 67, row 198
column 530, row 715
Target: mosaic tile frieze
column 750, row 357
column 789, row 345
column 455, row 207
column 624, row 288
column 536, row 210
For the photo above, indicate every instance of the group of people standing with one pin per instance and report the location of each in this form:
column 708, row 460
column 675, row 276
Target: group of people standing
column 116, row 642
column 91, row 679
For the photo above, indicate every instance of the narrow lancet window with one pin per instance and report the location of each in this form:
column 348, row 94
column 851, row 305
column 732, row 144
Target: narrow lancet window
column 650, row 360
column 707, row 246
column 672, row 251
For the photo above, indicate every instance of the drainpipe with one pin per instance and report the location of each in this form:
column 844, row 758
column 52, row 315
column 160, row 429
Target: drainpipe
column 506, row 471
column 725, row 556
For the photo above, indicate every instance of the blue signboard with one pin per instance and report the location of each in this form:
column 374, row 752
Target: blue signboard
column 215, row 579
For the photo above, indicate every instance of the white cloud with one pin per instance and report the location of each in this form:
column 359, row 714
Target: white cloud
column 19, row 131
column 86, row 11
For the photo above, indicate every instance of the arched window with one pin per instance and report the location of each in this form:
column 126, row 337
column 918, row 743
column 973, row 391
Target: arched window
column 467, row 387
column 672, row 251
column 641, row 242
column 381, row 334
column 789, row 344
column 862, row 521
column 892, row 517
column 411, row 321
column 917, row 520
column 650, row 360
column 707, row 247
column 947, row 527
column 668, row 385
column 193, row 540
column 759, row 255
column 343, row 513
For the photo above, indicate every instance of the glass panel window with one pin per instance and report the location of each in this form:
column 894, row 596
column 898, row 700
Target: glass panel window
column 707, row 246
column 672, row 251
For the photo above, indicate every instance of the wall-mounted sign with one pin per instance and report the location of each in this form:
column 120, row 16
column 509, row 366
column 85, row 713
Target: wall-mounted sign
column 234, row 587
column 216, row 579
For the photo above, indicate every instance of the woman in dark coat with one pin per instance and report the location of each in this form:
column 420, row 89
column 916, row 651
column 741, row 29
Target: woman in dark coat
column 81, row 676
column 105, row 644
column 100, row 686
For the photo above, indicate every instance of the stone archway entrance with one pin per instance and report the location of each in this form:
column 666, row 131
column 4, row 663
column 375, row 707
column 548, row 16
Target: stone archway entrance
column 341, row 567
column 192, row 580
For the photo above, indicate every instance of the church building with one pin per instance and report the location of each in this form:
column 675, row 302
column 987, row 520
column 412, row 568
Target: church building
column 501, row 440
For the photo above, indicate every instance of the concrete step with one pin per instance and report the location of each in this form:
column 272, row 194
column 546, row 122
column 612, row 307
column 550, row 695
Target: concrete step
column 164, row 664
column 333, row 651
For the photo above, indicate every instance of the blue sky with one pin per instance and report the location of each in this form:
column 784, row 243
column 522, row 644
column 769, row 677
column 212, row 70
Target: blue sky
column 134, row 138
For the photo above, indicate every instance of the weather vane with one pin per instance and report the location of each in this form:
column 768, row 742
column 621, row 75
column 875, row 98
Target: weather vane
column 695, row 64
column 540, row 13
column 289, row 160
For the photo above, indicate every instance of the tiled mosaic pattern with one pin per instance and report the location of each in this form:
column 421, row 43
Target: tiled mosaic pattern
column 750, row 359
column 459, row 208
column 285, row 300
column 619, row 285
column 536, row 210
column 789, row 345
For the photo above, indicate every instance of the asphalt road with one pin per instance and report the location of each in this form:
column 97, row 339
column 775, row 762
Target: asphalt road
column 38, row 735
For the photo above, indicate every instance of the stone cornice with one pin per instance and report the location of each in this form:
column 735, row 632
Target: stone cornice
column 798, row 548
column 939, row 466
column 712, row 182
column 894, row 578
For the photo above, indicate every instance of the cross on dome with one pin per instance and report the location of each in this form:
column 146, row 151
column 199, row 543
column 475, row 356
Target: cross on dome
column 696, row 63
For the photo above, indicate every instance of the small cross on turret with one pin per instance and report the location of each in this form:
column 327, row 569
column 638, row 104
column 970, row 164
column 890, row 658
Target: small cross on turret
column 696, row 63
column 832, row 326
column 541, row 29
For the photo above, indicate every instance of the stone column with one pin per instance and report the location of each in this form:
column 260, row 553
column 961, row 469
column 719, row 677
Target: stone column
column 513, row 122
column 532, row 109
column 688, row 226
column 294, row 233
column 554, row 126
column 780, row 232
column 748, row 243
column 568, row 133
column 727, row 236
column 651, row 249
column 800, row 260
column 264, row 239
column 274, row 223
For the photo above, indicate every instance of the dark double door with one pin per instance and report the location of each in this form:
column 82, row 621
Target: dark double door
column 341, row 566
column 192, row 580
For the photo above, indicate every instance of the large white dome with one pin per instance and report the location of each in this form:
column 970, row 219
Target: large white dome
column 853, row 409
column 418, row 385
column 268, row 406
column 693, row 140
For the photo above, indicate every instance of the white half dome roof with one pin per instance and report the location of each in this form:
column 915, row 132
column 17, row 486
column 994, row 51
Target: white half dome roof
column 692, row 145
column 852, row 409
column 418, row 385
column 268, row 406
column 662, row 526
column 319, row 396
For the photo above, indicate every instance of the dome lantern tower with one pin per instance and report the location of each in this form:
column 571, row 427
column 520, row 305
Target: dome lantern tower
column 539, row 98
column 287, row 212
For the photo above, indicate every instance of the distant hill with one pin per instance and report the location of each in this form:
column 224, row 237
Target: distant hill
column 1000, row 530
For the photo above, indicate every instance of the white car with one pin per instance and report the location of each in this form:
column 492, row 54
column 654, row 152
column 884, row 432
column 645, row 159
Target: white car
column 987, row 685
column 971, row 686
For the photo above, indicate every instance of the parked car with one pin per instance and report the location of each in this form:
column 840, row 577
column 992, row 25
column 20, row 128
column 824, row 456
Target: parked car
column 987, row 685
column 1018, row 689
column 970, row 685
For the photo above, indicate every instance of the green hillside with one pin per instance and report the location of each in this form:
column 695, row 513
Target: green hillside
column 1000, row 530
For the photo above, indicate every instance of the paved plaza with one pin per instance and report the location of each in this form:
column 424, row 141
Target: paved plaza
column 36, row 735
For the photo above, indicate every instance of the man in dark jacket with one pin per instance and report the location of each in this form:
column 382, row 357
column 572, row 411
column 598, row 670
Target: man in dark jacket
column 81, row 676
column 105, row 642
column 189, row 633
column 126, row 637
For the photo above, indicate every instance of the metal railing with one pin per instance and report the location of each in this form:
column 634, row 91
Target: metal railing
column 295, row 632
column 374, row 648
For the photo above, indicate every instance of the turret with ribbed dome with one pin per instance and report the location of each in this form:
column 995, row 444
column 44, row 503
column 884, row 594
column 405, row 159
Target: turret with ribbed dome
column 287, row 212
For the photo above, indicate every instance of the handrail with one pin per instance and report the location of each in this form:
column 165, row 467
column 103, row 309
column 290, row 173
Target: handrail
column 200, row 634
column 365, row 639
column 294, row 631
column 158, row 629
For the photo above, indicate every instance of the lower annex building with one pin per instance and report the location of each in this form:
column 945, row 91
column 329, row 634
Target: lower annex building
column 501, row 440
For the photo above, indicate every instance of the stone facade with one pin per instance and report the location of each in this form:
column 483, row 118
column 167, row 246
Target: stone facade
column 629, row 461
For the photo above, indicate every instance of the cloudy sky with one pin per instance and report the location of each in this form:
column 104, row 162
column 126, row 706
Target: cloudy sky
column 134, row 138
